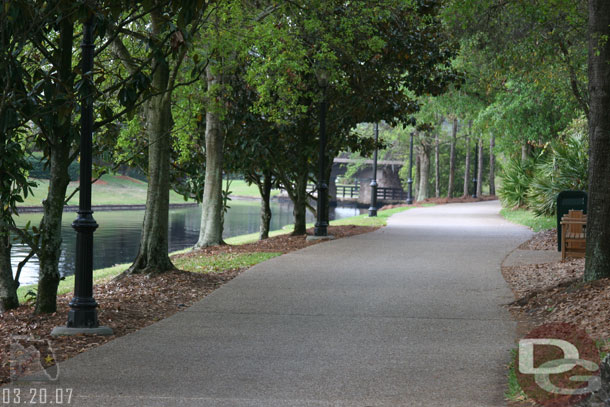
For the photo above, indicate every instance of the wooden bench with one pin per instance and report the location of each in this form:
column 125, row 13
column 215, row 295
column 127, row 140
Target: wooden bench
column 573, row 234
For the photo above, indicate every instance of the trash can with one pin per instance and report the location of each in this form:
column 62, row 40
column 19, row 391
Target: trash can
column 567, row 200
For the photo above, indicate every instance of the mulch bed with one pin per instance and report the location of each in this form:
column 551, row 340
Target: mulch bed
column 136, row 301
column 555, row 292
column 544, row 240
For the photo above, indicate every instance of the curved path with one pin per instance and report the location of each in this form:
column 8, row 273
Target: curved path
column 407, row 316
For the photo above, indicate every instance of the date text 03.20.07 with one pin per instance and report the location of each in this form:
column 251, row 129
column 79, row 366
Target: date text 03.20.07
column 27, row 396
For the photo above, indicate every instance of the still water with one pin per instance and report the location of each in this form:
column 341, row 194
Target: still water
column 118, row 236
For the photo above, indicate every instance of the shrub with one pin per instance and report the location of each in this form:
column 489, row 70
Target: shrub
column 516, row 179
column 564, row 169
column 40, row 170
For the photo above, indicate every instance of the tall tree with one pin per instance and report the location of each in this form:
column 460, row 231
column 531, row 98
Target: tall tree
column 492, row 164
column 371, row 53
column 210, row 232
column 20, row 21
column 452, row 157
column 597, row 264
column 467, row 164
column 424, row 149
column 169, row 28
column 479, row 173
column 437, row 165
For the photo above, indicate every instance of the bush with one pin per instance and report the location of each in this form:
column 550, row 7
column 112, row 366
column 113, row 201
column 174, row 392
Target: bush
column 562, row 166
column 40, row 170
column 516, row 180
column 565, row 169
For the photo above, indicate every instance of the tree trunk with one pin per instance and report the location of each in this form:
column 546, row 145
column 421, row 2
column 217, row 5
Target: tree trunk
column 53, row 205
column 417, row 174
column 300, row 205
column 424, row 159
column 597, row 264
column 210, row 233
column 265, row 191
column 524, row 152
column 492, row 165
column 467, row 168
column 480, row 169
column 8, row 287
column 50, row 229
column 437, row 166
column 452, row 159
column 153, row 254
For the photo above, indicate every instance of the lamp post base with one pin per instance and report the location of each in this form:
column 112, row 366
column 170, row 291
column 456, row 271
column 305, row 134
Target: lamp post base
column 314, row 237
column 65, row 331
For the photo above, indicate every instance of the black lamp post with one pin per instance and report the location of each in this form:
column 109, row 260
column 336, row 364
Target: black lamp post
column 82, row 317
column 373, row 207
column 476, row 170
column 321, row 227
column 410, row 180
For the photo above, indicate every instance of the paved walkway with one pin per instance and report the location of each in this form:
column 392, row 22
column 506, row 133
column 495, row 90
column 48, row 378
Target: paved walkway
column 407, row 316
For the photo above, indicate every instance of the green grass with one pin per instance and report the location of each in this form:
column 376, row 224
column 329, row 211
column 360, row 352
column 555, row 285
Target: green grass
column 116, row 190
column 221, row 262
column 514, row 392
column 364, row 220
column 253, row 237
column 241, row 188
column 67, row 284
column 113, row 190
column 527, row 218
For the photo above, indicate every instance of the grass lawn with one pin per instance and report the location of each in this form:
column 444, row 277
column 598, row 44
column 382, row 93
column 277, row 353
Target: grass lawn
column 109, row 190
column 241, row 188
column 216, row 263
column 527, row 218
column 119, row 190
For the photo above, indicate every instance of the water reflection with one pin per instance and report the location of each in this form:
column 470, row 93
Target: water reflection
column 117, row 238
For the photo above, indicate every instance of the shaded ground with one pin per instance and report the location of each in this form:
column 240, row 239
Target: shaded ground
column 554, row 292
column 138, row 301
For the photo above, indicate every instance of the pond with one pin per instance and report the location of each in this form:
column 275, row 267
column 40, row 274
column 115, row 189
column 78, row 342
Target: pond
column 118, row 236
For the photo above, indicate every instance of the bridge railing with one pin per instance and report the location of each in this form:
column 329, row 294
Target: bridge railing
column 391, row 194
column 348, row 191
column 352, row 191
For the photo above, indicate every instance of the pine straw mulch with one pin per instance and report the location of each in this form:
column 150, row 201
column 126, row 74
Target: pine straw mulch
column 136, row 301
column 555, row 292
